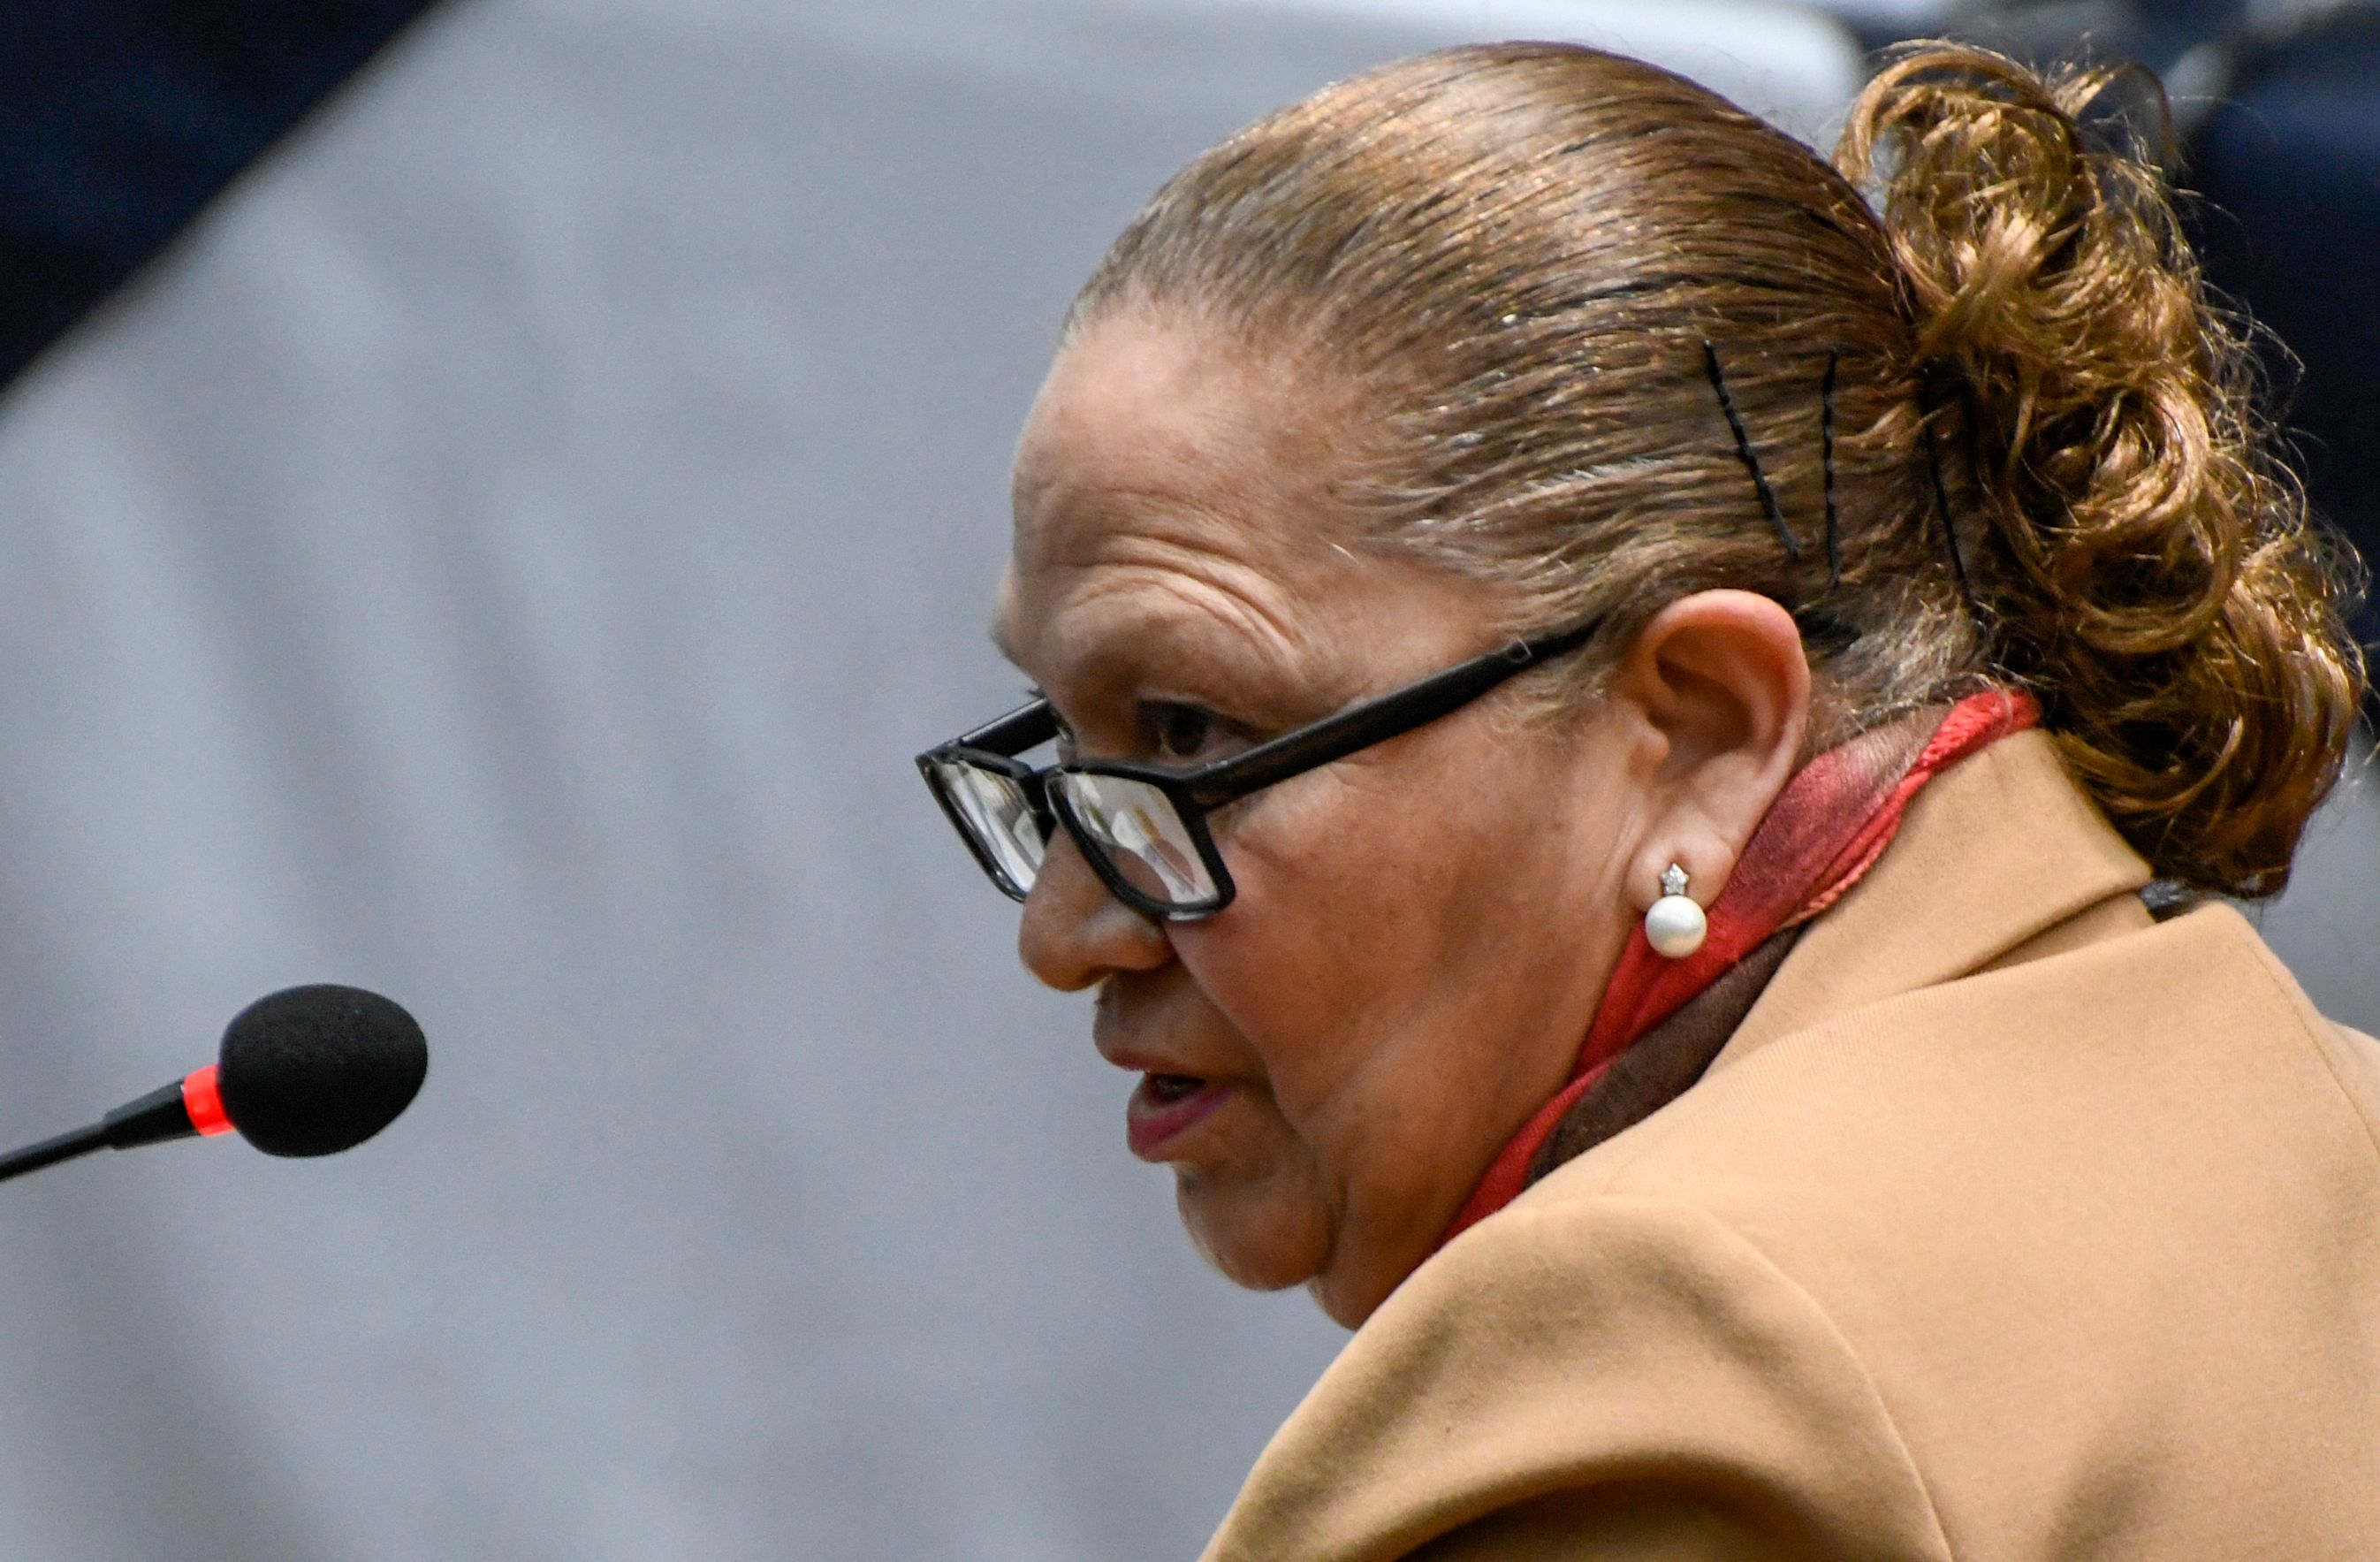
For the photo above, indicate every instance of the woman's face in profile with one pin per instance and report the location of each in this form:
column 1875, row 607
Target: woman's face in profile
column 1421, row 930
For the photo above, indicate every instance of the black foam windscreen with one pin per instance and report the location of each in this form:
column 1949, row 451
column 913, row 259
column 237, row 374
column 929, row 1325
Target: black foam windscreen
column 313, row 1070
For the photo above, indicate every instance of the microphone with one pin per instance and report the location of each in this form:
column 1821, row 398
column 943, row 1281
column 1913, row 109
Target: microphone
column 304, row 1071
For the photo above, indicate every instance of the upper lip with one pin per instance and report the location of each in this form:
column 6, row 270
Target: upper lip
column 1140, row 1057
column 1144, row 1060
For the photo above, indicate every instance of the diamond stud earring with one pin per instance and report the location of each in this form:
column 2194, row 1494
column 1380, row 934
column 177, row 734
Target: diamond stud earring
column 1674, row 925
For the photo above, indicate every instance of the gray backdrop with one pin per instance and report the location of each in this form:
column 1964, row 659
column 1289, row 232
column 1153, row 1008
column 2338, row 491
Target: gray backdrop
column 508, row 556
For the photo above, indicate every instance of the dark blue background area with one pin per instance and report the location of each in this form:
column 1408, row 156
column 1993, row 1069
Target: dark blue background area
column 2290, row 166
column 120, row 118
column 2284, row 177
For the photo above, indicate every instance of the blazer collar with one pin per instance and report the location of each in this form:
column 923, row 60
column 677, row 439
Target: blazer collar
column 1997, row 850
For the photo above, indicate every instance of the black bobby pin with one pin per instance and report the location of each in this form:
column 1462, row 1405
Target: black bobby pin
column 1744, row 450
column 1827, row 444
column 1942, row 503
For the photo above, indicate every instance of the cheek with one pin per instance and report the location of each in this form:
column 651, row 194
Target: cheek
column 1365, row 922
column 1413, row 982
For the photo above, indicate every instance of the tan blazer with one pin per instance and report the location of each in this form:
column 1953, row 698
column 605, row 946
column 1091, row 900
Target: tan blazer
column 2011, row 1225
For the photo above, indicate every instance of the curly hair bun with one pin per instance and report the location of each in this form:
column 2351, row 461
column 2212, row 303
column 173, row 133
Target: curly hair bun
column 2145, row 563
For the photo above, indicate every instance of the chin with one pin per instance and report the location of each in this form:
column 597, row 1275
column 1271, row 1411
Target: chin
column 1265, row 1243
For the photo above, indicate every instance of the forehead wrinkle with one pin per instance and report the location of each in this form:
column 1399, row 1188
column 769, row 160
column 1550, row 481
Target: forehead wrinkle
column 1211, row 474
column 1161, row 531
column 1194, row 400
column 1164, row 472
column 1179, row 501
column 1245, row 601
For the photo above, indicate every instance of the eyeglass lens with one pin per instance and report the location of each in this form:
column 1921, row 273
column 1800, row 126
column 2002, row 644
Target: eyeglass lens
column 1143, row 838
column 1000, row 816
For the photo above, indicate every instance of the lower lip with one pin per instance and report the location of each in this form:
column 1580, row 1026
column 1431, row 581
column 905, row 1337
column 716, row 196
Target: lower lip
column 1152, row 1124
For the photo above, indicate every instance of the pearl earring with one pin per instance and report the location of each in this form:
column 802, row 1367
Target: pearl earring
column 1674, row 925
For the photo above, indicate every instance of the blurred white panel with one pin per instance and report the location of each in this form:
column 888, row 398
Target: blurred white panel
column 508, row 556
column 1783, row 61
column 1786, row 63
column 1902, row 16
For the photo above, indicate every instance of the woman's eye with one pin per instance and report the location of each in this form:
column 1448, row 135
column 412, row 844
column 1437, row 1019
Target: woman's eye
column 1177, row 732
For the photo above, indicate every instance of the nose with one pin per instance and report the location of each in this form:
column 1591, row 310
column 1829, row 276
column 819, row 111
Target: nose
column 1074, row 934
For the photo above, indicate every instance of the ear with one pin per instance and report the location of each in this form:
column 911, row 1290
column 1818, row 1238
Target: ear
column 1720, row 680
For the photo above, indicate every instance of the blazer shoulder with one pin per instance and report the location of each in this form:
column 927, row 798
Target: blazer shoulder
column 2053, row 1055
column 1616, row 1354
column 2133, row 1186
column 2351, row 1057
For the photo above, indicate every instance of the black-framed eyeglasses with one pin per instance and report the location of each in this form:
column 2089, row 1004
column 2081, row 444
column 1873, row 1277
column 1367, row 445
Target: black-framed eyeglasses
column 1143, row 827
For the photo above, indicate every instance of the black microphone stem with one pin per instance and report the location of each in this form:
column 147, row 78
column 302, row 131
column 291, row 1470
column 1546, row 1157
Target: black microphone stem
column 155, row 1117
column 50, row 1152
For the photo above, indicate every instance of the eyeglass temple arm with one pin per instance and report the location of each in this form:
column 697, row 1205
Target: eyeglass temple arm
column 1028, row 726
column 1373, row 721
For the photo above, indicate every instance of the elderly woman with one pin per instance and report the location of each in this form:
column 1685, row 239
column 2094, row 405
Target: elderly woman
column 1644, row 743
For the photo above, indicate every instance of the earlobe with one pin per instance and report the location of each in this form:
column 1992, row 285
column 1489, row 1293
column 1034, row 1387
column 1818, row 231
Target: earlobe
column 1721, row 676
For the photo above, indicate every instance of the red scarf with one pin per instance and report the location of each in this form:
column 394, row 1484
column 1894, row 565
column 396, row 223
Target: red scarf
column 1824, row 831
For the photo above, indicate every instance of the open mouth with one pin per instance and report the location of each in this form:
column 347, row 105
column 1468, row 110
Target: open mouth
column 1166, row 1089
column 1166, row 1107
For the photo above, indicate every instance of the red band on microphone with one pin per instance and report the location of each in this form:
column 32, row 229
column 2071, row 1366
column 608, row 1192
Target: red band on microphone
column 202, row 1098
